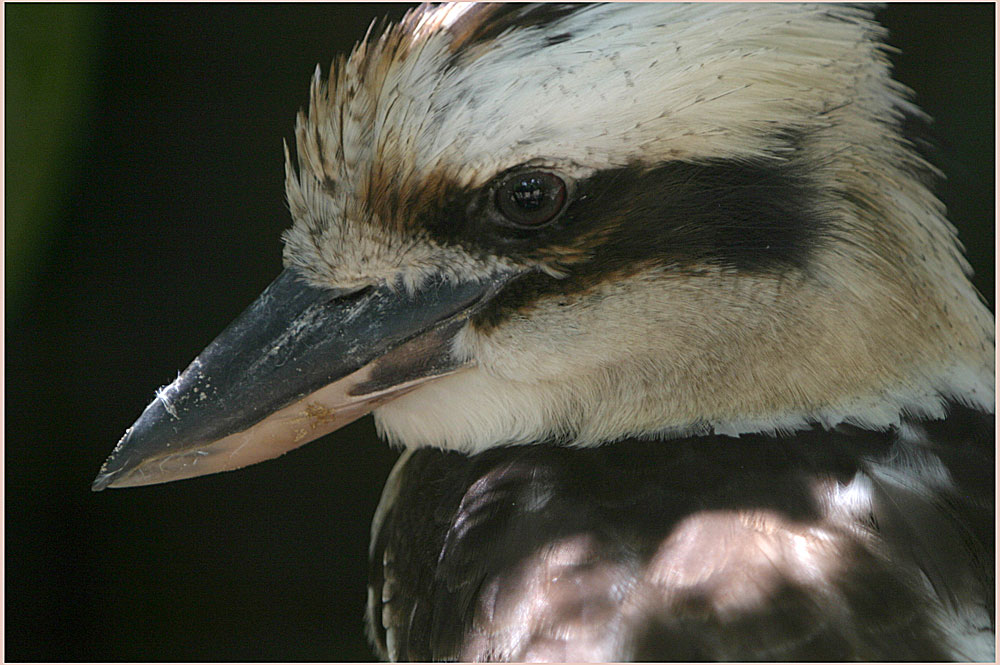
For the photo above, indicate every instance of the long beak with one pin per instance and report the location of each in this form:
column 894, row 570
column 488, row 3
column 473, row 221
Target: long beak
column 299, row 363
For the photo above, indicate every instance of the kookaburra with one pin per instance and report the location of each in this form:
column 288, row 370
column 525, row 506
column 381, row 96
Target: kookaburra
column 679, row 344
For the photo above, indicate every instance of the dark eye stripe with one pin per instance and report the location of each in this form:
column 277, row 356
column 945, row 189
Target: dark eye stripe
column 757, row 216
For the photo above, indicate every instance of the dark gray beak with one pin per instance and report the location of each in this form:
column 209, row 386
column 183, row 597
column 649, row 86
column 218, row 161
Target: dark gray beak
column 299, row 363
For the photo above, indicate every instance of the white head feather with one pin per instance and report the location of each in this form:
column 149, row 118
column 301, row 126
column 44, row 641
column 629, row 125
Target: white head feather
column 884, row 321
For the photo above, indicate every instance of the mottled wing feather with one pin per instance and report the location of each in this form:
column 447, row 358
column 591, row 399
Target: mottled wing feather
column 711, row 548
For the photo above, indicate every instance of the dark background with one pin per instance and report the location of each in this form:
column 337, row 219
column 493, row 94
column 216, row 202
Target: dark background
column 144, row 202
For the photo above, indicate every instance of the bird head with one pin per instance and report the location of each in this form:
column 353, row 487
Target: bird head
column 579, row 223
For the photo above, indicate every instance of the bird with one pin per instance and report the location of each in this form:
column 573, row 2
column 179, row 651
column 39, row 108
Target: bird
column 678, row 343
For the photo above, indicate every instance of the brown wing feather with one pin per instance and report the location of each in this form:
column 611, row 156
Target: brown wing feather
column 705, row 548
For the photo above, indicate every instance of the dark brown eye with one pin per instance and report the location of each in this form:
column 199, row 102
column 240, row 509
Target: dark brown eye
column 532, row 198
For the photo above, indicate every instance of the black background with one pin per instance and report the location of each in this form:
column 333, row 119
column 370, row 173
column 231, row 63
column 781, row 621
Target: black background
column 166, row 227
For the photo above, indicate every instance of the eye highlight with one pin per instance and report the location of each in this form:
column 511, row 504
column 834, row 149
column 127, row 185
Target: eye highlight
column 530, row 198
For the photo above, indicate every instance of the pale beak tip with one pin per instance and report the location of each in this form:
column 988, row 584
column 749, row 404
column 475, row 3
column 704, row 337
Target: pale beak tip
column 102, row 481
column 105, row 479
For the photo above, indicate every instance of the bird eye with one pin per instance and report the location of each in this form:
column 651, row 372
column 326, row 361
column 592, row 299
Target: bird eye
column 532, row 198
